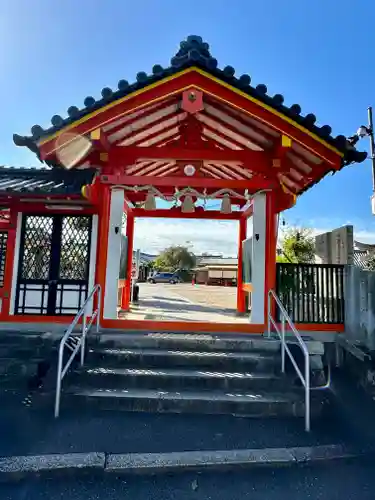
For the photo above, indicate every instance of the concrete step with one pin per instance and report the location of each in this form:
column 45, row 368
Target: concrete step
column 16, row 337
column 252, row 404
column 160, row 358
column 179, row 378
column 23, row 352
column 188, row 342
column 16, row 367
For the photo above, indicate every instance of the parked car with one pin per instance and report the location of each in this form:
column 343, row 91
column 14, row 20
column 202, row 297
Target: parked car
column 164, row 278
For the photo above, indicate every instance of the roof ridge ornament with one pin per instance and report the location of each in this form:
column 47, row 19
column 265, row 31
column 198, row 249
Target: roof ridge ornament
column 194, row 50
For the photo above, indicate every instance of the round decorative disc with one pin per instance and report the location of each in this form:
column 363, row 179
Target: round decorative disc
column 189, row 170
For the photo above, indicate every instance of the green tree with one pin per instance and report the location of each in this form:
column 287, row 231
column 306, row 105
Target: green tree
column 175, row 258
column 298, row 246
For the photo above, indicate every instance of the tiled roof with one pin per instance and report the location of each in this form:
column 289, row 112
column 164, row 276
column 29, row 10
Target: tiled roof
column 43, row 181
column 193, row 52
column 224, row 261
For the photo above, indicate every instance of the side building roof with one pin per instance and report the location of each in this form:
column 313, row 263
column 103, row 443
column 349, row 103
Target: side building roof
column 43, row 181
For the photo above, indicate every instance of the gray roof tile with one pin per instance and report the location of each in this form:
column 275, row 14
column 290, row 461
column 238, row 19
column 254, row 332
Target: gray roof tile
column 43, row 181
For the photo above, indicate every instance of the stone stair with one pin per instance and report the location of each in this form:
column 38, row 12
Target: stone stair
column 189, row 373
column 24, row 359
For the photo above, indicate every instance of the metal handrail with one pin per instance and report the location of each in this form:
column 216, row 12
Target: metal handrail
column 305, row 379
column 81, row 344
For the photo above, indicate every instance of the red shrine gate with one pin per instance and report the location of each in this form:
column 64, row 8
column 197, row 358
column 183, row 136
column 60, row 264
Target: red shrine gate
column 184, row 134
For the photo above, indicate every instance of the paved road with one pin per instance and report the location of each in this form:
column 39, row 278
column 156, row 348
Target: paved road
column 336, row 482
column 178, row 303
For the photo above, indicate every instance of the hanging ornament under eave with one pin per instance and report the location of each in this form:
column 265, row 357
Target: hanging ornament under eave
column 188, row 206
column 150, row 202
column 226, row 205
column 91, row 193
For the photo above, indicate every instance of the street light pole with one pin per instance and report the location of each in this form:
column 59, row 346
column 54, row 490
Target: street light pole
column 372, row 145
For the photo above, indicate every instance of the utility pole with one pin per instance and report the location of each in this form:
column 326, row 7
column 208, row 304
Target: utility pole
column 370, row 132
column 363, row 132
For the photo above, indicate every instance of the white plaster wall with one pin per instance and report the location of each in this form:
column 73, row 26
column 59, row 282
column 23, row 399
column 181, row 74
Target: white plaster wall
column 15, row 264
column 259, row 258
column 113, row 254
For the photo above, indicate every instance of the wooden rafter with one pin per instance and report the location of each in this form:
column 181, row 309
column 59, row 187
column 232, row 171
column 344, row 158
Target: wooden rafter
column 129, row 154
column 138, row 116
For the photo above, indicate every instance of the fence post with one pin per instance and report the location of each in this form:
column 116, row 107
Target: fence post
column 283, row 344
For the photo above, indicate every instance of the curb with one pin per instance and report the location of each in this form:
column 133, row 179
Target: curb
column 159, row 463
column 15, row 468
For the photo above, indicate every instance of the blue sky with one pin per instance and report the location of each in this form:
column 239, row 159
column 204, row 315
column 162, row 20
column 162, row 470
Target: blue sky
column 316, row 53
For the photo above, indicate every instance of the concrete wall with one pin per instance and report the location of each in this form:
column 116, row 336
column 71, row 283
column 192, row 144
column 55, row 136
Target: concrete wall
column 335, row 247
column 113, row 254
column 259, row 259
column 360, row 307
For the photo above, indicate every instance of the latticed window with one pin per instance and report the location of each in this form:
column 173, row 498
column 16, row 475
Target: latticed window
column 74, row 248
column 37, row 247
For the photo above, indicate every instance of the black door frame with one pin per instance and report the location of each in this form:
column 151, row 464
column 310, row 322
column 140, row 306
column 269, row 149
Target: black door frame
column 51, row 284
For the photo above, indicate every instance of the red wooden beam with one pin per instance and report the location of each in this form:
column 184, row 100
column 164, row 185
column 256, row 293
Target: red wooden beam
column 126, row 155
column 177, row 214
column 255, row 183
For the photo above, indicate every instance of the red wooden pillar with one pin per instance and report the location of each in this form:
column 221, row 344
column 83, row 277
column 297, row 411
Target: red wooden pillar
column 130, row 234
column 102, row 250
column 5, row 292
column 240, row 291
column 271, row 244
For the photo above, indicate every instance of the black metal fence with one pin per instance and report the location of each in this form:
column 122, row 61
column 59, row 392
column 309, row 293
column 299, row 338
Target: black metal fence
column 312, row 293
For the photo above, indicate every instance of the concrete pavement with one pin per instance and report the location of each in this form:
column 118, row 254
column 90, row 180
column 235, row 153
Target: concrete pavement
column 184, row 302
column 344, row 481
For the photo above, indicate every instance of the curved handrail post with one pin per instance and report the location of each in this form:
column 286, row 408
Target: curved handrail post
column 80, row 345
column 59, row 379
column 305, row 378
